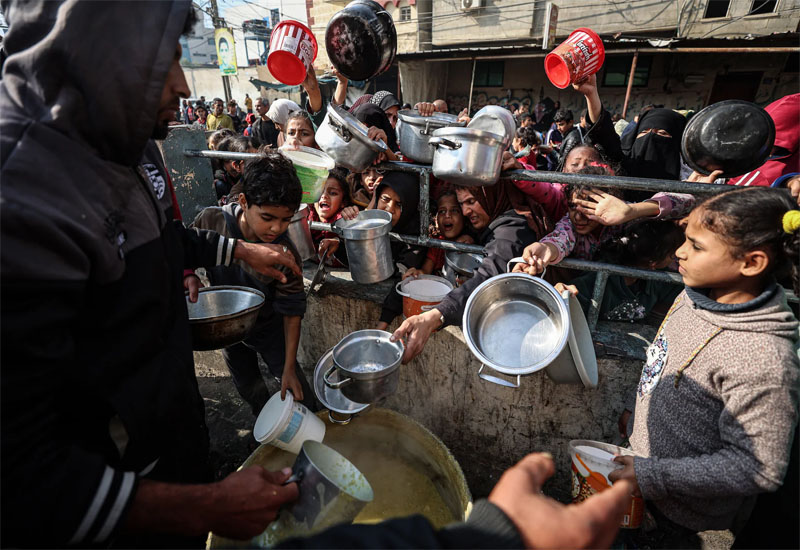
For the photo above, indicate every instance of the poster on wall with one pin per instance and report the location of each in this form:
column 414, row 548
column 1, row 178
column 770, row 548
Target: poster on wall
column 226, row 51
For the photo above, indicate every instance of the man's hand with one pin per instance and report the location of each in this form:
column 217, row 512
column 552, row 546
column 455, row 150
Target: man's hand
column 248, row 500
column 265, row 258
column 415, row 332
column 289, row 381
column 463, row 116
column 192, row 284
column 626, row 474
column 510, row 162
column 545, row 523
column 425, row 108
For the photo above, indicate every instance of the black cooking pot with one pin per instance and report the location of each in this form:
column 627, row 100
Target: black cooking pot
column 733, row 136
column 361, row 40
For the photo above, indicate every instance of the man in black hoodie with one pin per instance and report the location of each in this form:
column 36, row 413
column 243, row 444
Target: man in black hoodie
column 103, row 431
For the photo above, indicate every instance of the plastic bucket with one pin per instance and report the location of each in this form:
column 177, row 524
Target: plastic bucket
column 579, row 56
column 292, row 50
column 312, row 167
column 592, row 461
column 422, row 293
column 287, row 424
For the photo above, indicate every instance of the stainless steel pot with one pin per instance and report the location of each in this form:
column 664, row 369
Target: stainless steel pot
column 414, row 132
column 366, row 239
column 223, row 315
column 467, row 157
column 515, row 324
column 344, row 138
column 334, row 400
column 459, row 266
column 497, row 120
column 367, row 362
column 300, row 234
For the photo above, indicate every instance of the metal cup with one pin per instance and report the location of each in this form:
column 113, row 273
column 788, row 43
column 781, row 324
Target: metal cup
column 332, row 491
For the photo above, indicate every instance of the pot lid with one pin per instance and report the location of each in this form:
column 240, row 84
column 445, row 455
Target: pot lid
column 309, row 157
column 272, row 417
column 581, row 345
column 733, row 136
column 469, row 134
column 331, row 399
column 348, row 126
column 412, row 116
column 495, row 119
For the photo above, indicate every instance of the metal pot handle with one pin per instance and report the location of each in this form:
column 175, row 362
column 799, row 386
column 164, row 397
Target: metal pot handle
column 446, row 143
column 336, row 229
column 344, row 422
column 428, row 308
column 335, row 385
column 521, row 260
column 296, row 477
column 427, row 130
column 400, row 292
column 495, row 379
column 340, row 130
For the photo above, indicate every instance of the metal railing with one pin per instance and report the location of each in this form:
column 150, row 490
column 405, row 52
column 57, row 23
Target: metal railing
column 603, row 269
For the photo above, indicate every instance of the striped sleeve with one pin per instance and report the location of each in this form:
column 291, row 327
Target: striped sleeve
column 112, row 497
column 205, row 242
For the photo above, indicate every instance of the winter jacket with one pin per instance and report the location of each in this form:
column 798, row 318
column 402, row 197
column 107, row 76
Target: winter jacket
column 709, row 442
column 266, row 132
column 98, row 383
column 505, row 238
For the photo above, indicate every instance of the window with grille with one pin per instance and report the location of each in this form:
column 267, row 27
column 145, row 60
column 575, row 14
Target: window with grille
column 405, row 13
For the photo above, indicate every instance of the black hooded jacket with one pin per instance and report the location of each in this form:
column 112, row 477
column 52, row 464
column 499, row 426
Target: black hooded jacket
column 98, row 382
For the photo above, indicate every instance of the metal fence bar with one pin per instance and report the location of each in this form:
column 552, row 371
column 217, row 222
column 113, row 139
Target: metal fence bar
column 597, row 299
column 424, row 204
column 224, row 155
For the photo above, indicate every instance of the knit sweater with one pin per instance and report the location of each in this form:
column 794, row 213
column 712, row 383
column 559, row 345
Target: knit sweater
column 709, row 445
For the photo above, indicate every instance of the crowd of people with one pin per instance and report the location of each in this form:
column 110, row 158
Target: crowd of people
column 103, row 433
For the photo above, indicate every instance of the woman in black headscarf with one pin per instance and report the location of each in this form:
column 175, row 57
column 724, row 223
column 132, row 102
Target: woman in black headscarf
column 388, row 103
column 372, row 116
column 653, row 148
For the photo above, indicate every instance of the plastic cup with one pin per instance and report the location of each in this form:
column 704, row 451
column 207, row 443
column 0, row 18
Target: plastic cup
column 287, row 424
column 579, row 56
column 312, row 167
column 592, row 461
column 292, row 50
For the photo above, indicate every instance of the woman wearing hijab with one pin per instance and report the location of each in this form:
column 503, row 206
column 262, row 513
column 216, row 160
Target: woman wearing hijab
column 504, row 223
column 373, row 117
column 279, row 112
column 398, row 194
column 388, row 103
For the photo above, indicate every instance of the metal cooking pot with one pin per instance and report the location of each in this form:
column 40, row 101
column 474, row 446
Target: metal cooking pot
column 467, row 157
column 367, row 362
column 459, row 266
column 361, row 40
column 733, row 136
column 300, row 234
column 366, row 240
column 497, row 120
column 516, row 324
column 414, row 132
column 223, row 315
column 334, row 400
column 344, row 138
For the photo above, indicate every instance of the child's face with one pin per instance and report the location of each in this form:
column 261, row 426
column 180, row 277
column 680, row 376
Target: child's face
column 704, row 259
column 449, row 219
column 472, row 209
column 582, row 224
column 371, row 178
column 580, row 157
column 268, row 222
column 516, row 143
column 330, row 202
column 233, row 167
column 389, row 201
column 300, row 133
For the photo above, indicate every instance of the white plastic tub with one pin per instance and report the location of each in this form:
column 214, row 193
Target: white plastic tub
column 287, row 424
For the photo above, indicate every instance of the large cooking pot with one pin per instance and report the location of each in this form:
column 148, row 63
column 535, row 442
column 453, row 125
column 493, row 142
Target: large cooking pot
column 300, row 234
column 497, row 120
column 410, row 470
column 361, row 40
column 414, row 132
column 344, row 138
column 422, row 293
column 467, row 157
column 366, row 361
column 516, row 324
column 733, row 136
column 460, row 266
column 223, row 315
column 366, row 240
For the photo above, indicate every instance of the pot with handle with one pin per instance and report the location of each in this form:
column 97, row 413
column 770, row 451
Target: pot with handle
column 422, row 293
column 300, row 234
column 515, row 324
column 414, row 132
column 366, row 239
column 467, row 157
column 344, row 138
column 361, row 40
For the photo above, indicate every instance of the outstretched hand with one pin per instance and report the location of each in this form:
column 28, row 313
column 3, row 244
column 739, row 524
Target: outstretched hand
column 266, row 258
column 546, row 523
column 603, row 207
column 586, row 86
column 415, row 331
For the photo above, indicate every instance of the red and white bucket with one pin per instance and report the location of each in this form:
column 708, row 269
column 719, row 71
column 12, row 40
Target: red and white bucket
column 292, row 50
column 579, row 56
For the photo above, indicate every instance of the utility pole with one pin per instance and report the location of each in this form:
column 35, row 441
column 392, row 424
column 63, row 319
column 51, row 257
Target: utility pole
column 219, row 23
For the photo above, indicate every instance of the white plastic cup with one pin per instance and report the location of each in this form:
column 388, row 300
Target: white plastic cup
column 287, row 424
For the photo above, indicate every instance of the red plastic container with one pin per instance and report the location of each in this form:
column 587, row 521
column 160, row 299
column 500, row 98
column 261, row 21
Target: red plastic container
column 579, row 56
column 292, row 50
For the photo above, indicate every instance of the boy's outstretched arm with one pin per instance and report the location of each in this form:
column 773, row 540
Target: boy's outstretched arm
column 289, row 379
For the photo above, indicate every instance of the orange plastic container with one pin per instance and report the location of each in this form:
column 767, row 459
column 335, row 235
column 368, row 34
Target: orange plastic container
column 292, row 50
column 579, row 56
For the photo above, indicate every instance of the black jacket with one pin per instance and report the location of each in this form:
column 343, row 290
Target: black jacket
column 505, row 238
column 98, row 382
column 266, row 132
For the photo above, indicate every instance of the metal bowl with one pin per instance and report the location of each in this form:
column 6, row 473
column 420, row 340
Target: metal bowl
column 515, row 324
column 366, row 361
column 733, row 136
column 463, row 263
column 333, row 400
column 223, row 315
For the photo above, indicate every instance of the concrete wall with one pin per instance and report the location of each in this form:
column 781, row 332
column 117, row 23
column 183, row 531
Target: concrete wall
column 510, row 19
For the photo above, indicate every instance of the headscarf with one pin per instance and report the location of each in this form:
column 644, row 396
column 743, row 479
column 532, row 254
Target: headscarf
column 407, row 188
column 360, row 101
column 385, row 100
column 372, row 115
column 654, row 156
column 280, row 109
column 504, row 196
